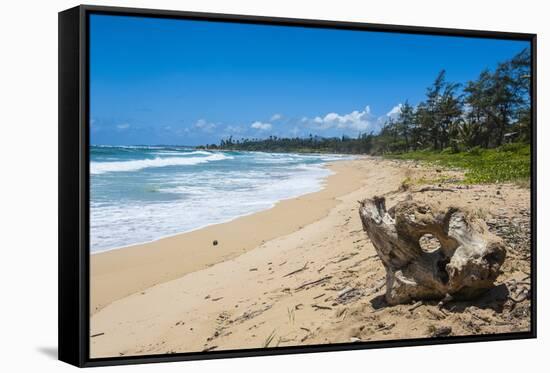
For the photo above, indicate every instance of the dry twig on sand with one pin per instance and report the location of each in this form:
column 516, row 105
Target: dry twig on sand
column 433, row 189
column 313, row 283
column 297, row 271
column 269, row 339
column 318, row 307
column 415, row 306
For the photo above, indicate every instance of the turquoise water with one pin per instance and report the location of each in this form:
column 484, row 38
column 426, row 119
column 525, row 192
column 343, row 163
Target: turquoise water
column 140, row 194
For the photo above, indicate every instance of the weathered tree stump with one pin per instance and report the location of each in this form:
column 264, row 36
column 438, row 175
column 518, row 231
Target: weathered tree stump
column 464, row 263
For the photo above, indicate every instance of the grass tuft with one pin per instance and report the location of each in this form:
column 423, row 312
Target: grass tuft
column 269, row 339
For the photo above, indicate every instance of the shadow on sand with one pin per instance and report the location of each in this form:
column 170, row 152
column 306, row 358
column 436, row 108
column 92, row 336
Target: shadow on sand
column 492, row 299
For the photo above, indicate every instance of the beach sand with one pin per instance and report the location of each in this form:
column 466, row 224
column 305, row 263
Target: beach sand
column 121, row 272
column 302, row 272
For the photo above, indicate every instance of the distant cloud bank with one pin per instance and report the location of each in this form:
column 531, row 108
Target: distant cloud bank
column 261, row 126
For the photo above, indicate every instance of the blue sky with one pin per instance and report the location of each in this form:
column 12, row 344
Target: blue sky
column 163, row 81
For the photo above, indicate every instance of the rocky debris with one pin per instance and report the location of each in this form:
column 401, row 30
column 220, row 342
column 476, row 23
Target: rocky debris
column 515, row 231
column 443, row 331
column 349, row 295
column 247, row 315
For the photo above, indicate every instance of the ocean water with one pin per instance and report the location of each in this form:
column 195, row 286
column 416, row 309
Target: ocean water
column 140, row 194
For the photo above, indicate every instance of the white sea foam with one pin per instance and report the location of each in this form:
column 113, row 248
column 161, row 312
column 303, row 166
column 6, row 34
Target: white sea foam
column 182, row 154
column 136, row 165
column 184, row 199
column 212, row 202
column 130, row 146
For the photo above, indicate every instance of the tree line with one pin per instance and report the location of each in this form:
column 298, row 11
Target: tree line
column 487, row 112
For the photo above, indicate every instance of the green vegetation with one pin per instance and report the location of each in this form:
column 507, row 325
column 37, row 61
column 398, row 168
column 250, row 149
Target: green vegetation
column 507, row 163
column 487, row 113
column 483, row 126
column 313, row 144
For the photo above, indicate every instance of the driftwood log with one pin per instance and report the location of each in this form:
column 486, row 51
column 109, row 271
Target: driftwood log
column 464, row 263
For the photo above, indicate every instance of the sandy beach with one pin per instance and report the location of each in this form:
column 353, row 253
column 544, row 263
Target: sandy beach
column 121, row 272
column 303, row 272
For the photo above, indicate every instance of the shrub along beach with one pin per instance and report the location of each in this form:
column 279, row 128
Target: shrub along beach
column 482, row 126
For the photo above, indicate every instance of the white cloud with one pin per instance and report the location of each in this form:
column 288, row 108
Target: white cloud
column 395, row 111
column 123, row 126
column 205, row 126
column 261, row 126
column 356, row 120
column 276, row 117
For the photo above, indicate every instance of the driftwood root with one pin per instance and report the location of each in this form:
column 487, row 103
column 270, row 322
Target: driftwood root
column 464, row 261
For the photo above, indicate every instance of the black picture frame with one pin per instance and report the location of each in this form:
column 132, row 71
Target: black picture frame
column 73, row 250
